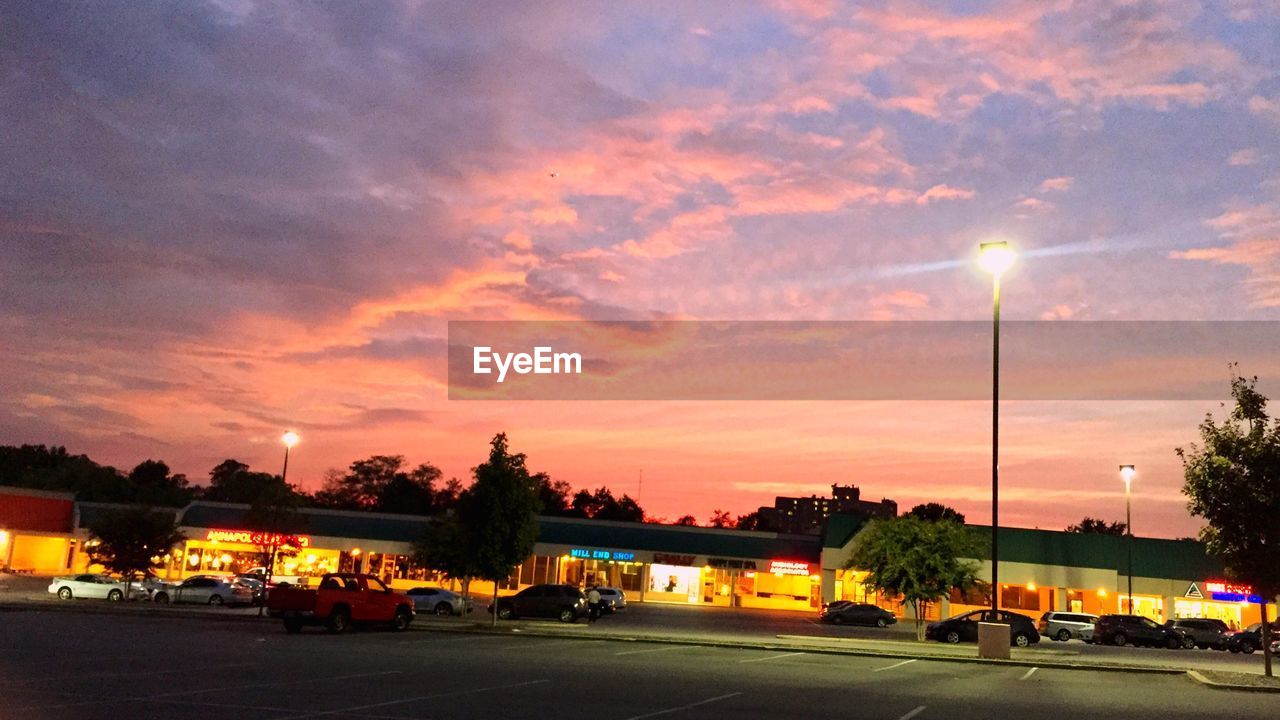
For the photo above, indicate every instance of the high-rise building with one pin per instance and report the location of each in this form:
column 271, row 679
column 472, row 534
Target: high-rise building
column 808, row 515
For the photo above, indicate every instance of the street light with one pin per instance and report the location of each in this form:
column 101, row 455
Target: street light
column 995, row 258
column 290, row 438
column 1126, row 473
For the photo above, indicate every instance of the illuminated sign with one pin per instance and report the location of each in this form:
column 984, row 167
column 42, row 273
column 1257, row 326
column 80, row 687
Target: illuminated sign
column 253, row 537
column 731, row 564
column 669, row 559
column 594, row 554
column 1227, row 592
column 788, row 567
column 1194, row 592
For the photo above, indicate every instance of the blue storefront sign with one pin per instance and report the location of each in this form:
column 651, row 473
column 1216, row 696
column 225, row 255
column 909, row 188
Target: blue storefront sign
column 597, row 554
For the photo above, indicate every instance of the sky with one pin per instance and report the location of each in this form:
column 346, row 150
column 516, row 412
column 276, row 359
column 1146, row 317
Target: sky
column 222, row 219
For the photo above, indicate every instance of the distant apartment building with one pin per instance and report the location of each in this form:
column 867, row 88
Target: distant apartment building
column 808, row 515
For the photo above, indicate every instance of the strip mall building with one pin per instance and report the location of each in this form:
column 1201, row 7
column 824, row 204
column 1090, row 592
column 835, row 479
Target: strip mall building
column 45, row 533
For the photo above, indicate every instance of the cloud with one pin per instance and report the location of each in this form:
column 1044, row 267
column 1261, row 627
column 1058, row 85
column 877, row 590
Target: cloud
column 1056, row 184
column 1036, row 204
column 943, row 192
column 1265, row 107
column 1252, row 233
column 1247, row 156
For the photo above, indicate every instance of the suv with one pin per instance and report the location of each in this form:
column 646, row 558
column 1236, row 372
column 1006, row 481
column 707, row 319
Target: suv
column 1202, row 632
column 1062, row 626
column 565, row 602
column 1137, row 630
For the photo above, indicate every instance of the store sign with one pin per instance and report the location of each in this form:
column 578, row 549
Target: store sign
column 1194, row 592
column 1227, row 592
column 670, row 559
column 729, row 564
column 594, row 554
column 252, row 537
column 789, row 567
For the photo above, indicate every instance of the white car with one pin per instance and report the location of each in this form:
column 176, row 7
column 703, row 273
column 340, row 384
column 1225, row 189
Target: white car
column 438, row 600
column 612, row 599
column 91, row 585
column 206, row 590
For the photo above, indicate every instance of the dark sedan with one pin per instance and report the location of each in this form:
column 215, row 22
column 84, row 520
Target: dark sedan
column 964, row 628
column 1249, row 640
column 857, row 614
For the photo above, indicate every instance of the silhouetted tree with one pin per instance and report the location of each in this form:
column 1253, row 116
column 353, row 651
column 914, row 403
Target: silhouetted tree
column 379, row 483
column 936, row 511
column 232, row 481
column 602, row 505
column 1232, row 479
column 754, row 521
column 686, row 520
column 553, row 494
column 721, row 519
column 1097, row 526
column 52, row 468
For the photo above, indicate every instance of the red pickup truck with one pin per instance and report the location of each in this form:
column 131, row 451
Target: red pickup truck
column 340, row 601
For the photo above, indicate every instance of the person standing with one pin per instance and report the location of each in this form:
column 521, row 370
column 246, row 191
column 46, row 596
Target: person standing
column 593, row 604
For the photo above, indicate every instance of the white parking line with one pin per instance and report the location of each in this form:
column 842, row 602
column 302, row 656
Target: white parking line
column 1028, row 673
column 771, row 657
column 913, row 713
column 653, row 650
column 388, row 703
column 667, row 711
column 895, row 665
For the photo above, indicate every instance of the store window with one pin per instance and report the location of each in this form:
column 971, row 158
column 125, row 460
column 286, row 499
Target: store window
column 675, row 582
column 974, row 595
column 1017, row 597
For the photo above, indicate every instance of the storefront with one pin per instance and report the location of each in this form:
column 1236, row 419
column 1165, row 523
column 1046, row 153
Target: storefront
column 37, row 531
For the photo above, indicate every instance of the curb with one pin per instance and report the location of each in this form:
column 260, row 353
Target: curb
column 1200, row 678
column 815, row 649
column 89, row 607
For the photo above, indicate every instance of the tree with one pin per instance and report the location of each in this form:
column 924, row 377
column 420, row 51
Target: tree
column 232, row 481
column 721, row 519
column 687, row 520
column 130, row 540
column 52, row 468
column 275, row 521
column 499, row 515
column 378, row 483
column 920, row 560
column 444, row 547
column 1232, row 480
column 1097, row 526
column 936, row 511
column 602, row 505
column 553, row 495
column 754, row 521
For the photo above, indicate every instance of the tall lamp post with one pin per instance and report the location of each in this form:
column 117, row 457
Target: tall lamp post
column 995, row 258
column 1126, row 473
column 290, row 438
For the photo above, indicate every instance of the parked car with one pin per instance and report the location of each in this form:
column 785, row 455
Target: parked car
column 612, row 599
column 438, row 601
column 206, row 590
column 260, row 574
column 565, row 602
column 1249, row 640
column 1202, row 632
column 857, row 614
column 91, row 585
column 1136, row 630
column 1063, row 626
column 964, row 628
column 258, row 587
column 340, row 602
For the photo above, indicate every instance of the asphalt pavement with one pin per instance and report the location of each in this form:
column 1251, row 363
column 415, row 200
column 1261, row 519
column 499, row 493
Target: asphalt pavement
column 95, row 667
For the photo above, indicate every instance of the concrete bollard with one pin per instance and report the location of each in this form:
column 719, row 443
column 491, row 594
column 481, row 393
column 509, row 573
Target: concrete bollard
column 993, row 640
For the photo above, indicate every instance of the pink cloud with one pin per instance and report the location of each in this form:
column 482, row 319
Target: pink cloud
column 943, row 192
column 1056, row 184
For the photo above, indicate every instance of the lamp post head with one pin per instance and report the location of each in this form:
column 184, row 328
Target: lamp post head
column 289, row 439
column 995, row 257
column 1127, row 472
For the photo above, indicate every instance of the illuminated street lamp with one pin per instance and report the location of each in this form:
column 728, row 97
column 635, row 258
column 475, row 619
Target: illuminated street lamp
column 290, row 438
column 1126, row 473
column 995, row 258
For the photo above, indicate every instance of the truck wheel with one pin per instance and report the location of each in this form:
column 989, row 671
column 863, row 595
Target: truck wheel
column 293, row 626
column 340, row 621
column 401, row 620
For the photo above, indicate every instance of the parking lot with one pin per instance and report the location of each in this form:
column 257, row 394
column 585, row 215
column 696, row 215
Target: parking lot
column 89, row 666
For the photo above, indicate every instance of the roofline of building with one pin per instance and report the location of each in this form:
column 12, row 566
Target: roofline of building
column 32, row 492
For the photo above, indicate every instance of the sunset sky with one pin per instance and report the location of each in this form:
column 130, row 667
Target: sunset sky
column 220, row 220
